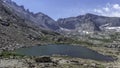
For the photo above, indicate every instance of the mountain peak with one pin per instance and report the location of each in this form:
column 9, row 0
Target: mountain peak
column 90, row 14
column 39, row 14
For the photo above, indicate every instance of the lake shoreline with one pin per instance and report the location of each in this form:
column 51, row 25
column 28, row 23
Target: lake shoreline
column 97, row 49
column 64, row 50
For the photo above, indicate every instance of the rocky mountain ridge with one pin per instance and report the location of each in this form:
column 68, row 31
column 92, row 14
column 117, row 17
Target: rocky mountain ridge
column 89, row 23
column 82, row 24
column 40, row 19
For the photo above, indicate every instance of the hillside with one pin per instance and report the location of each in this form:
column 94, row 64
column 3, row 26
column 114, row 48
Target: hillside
column 16, row 30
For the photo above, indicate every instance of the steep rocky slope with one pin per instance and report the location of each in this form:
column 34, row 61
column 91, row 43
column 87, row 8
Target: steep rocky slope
column 39, row 19
column 18, row 31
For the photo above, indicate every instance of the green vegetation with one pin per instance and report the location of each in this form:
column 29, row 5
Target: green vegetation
column 7, row 54
column 72, row 66
column 103, row 40
column 83, row 42
column 115, row 36
column 101, row 66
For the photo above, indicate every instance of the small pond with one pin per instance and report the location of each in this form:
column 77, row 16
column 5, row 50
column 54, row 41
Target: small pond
column 69, row 50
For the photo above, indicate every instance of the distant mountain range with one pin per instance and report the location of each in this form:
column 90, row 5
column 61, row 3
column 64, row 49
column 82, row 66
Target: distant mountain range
column 87, row 23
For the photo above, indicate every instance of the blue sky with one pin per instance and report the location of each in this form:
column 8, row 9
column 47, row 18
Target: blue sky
column 67, row 8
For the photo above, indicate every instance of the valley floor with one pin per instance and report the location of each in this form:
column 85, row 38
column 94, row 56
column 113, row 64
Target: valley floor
column 101, row 45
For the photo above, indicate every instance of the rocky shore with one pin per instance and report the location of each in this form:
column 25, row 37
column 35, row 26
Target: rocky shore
column 48, row 62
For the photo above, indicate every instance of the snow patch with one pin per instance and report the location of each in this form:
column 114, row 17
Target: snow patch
column 84, row 32
column 113, row 28
column 64, row 29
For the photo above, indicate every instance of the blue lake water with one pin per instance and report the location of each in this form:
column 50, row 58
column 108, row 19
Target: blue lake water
column 69, row 50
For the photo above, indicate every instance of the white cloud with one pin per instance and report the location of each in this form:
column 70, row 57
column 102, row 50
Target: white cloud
column 106, row 9
column 98, row 11
column 116, row 6
column 111, row 10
